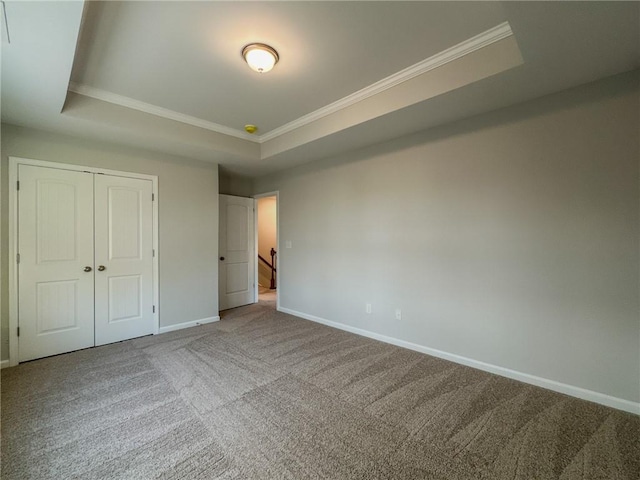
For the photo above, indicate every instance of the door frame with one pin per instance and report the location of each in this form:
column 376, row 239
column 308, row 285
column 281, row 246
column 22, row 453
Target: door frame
column 14, row 162
column 275, row 193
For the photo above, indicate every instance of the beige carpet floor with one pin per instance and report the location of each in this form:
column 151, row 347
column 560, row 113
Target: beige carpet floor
column 267, row 296
column 264, row 395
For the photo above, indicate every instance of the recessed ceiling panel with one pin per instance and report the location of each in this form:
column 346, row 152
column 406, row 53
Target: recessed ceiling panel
column 186, row 56
column 169, row 77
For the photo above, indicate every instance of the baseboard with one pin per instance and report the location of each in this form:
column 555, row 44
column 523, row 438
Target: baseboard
column 193, row 323
column 582, row 393
column 4, row 364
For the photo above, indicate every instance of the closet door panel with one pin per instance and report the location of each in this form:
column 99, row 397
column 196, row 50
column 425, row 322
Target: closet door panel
column 55, row 273
column 124, row 258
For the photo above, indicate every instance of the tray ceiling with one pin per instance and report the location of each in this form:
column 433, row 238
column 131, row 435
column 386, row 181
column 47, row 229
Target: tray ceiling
column 170, row 76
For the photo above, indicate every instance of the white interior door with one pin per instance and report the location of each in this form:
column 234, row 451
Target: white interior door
column 236, row 252
column 55, row 273
column 124, row 258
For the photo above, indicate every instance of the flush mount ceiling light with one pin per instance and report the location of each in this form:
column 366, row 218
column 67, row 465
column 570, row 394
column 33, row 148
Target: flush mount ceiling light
column 260, row 57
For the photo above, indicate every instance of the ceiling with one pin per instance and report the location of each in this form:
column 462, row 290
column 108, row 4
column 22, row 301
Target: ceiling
column 169, row 76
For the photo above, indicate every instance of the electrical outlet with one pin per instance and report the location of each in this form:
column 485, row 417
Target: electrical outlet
column 287, row 244
column 368, row 308
column 398, row 314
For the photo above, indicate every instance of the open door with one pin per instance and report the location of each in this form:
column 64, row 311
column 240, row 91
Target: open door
column 236, row 283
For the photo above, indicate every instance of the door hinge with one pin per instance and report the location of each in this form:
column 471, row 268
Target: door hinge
column 18, row 185
column 153, row 252
column 153, row 197
column 154, row 309
column 17, row 258
column 18, row 331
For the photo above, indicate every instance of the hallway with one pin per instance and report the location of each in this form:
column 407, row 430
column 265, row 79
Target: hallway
column 267, row 297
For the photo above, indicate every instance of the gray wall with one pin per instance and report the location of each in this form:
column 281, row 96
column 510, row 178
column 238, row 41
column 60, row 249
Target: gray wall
column 188, row 216
column 233, row 184
column 510, row 238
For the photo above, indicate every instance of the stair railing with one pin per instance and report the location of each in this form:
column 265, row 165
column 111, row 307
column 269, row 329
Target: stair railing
column 272, row 266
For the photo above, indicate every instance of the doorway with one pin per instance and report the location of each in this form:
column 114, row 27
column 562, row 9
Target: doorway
column 267, row 265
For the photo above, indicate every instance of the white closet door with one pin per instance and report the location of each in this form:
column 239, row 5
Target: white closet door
column 236, row 284
column 55, row 243
column 123, row 259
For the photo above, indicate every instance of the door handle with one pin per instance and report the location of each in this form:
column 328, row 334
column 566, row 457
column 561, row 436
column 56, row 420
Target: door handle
column 221, row 258
column 102, row 268
column 87, row 269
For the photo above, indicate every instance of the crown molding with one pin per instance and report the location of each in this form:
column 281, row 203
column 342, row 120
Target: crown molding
column 466, row 47
column 123, row 101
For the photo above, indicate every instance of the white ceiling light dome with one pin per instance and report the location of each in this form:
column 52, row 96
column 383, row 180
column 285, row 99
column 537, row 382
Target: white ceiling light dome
column 260, row 57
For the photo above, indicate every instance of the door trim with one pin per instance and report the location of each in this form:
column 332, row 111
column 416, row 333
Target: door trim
column 14, row 162
column 275, row 193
